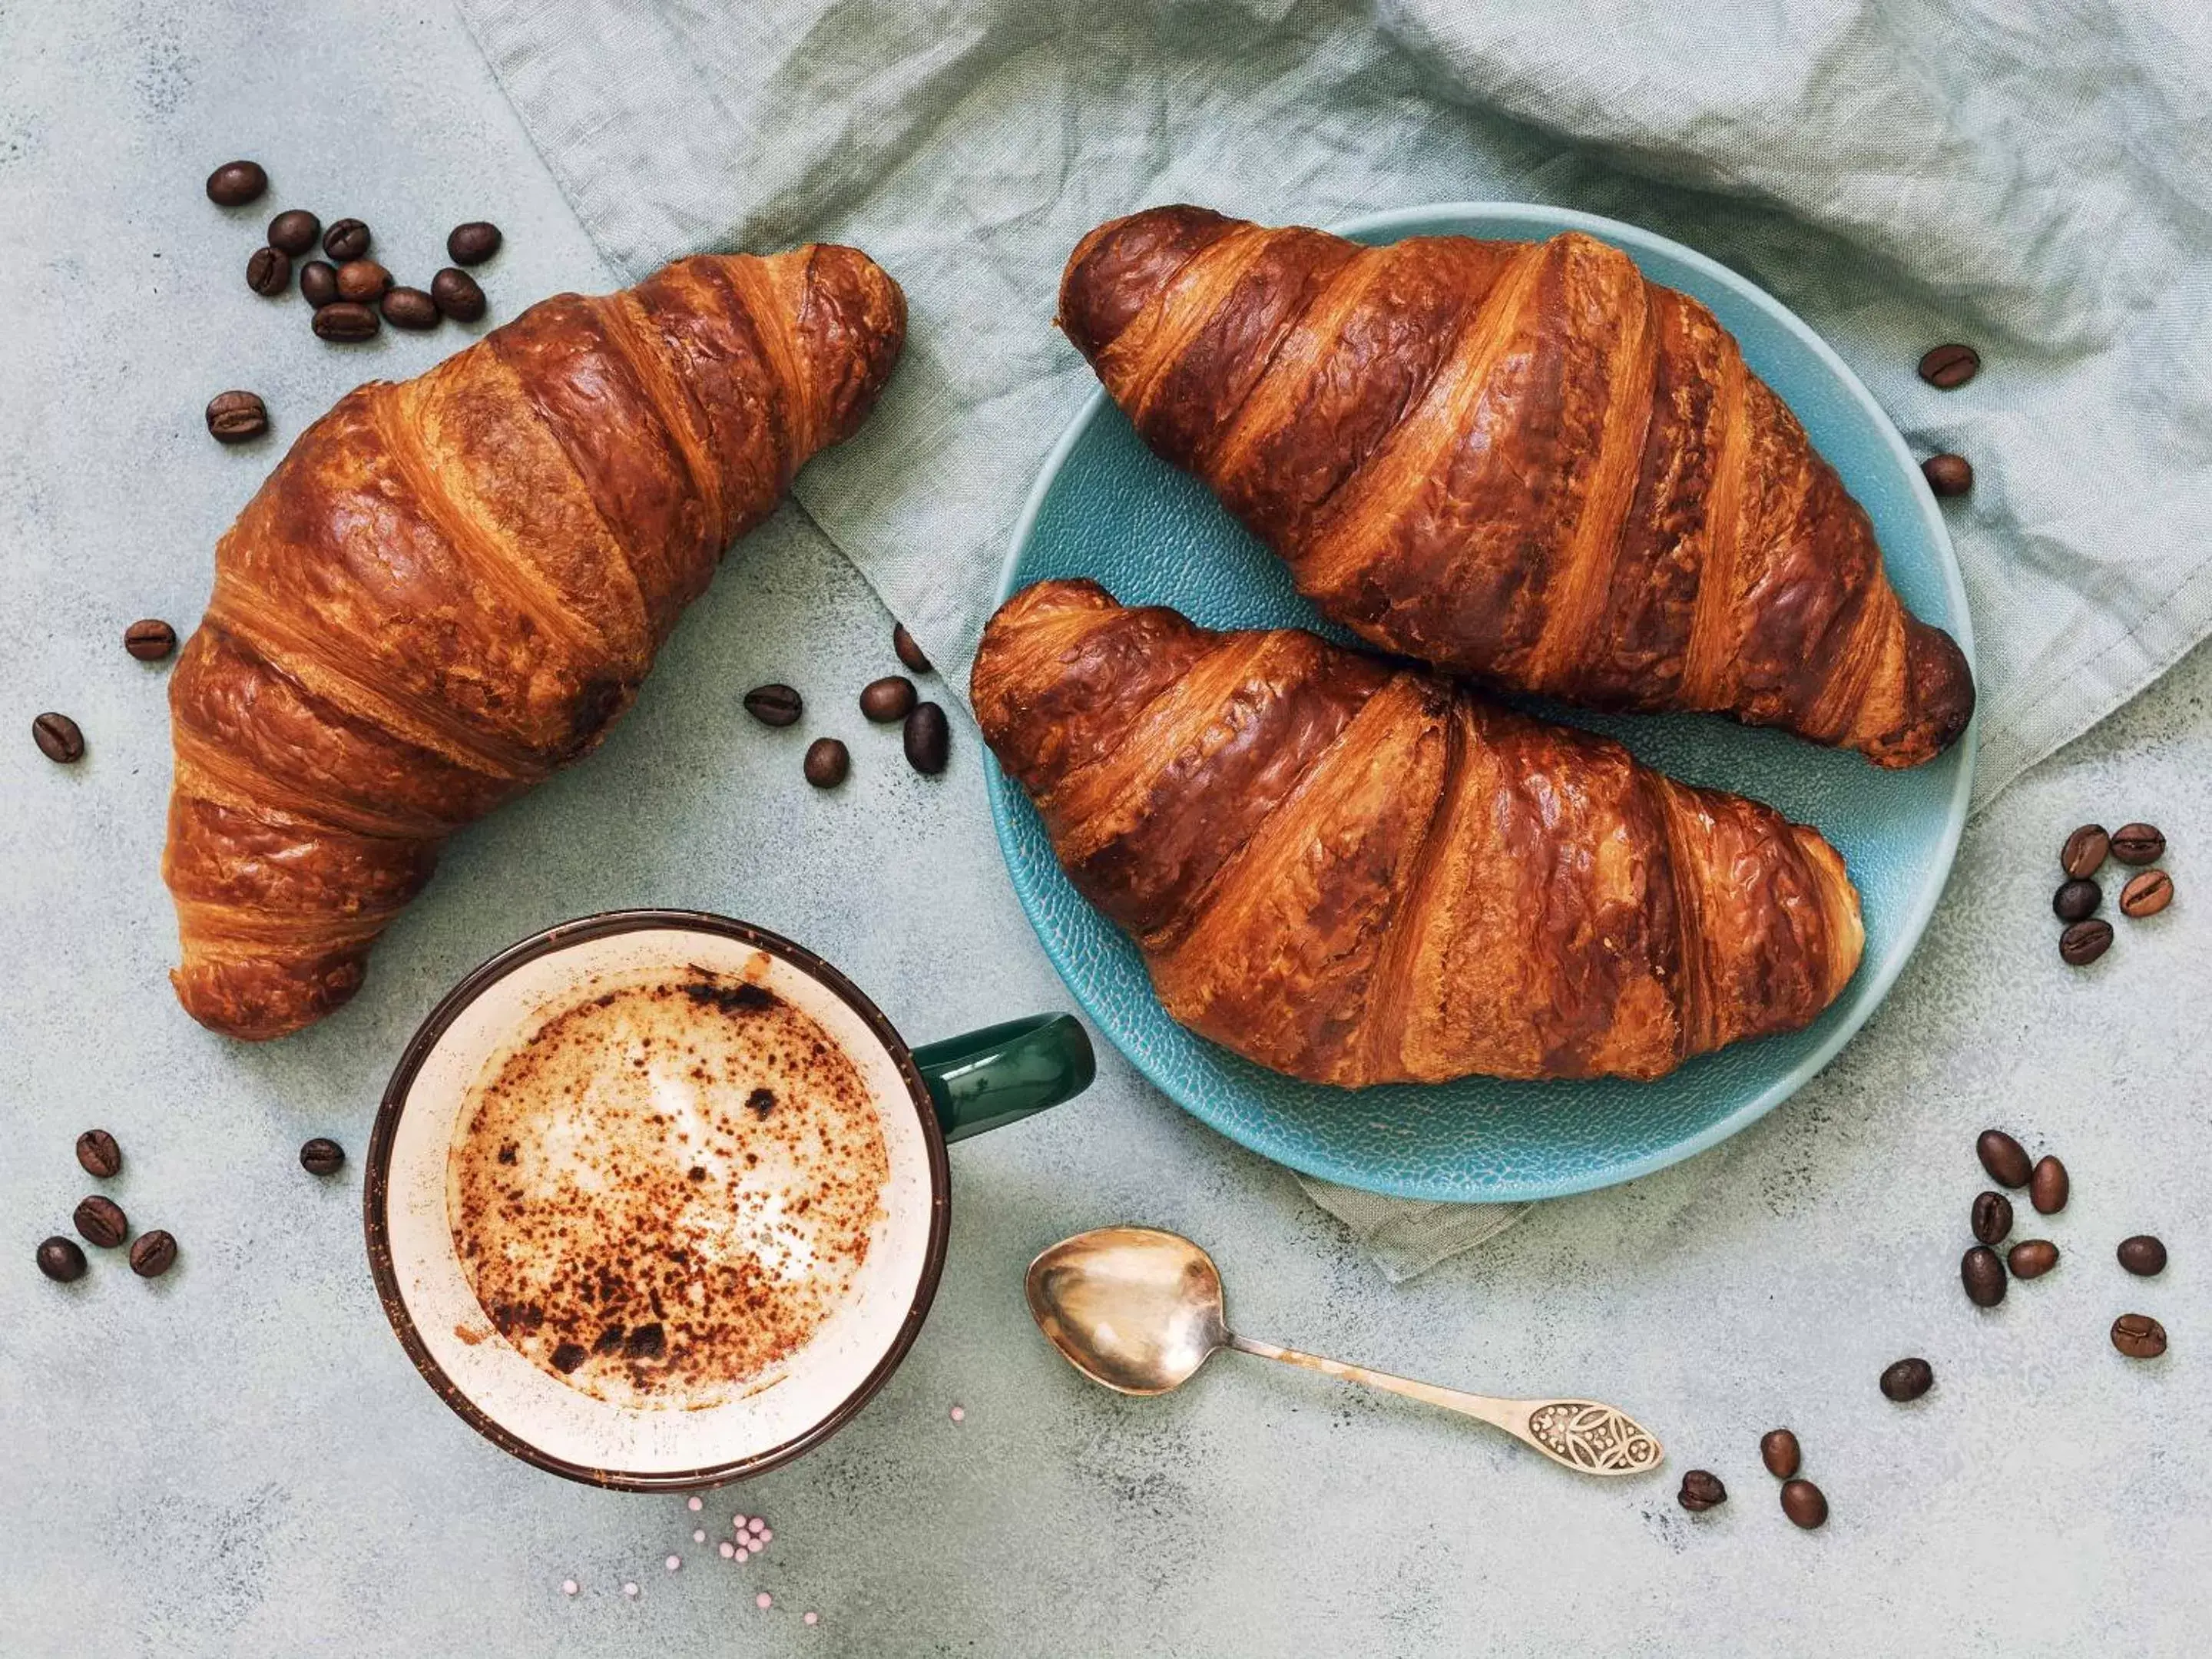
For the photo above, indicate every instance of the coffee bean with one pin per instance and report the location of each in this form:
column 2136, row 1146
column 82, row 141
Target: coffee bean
column 2048, row 1185
column 2005, row 1159
column 457, row 295
column 2031, row 1258
column 2138, row 844
column 902, row 644
column 100, row 1221
column 343, row 321
column 235, row 417
column 1778, row 1449
column 1982, row 1272
column 2084, row 942
column 60, row 1260
column 1805, row 1504
column 568, row 1356
column 473, row 243
column 152, row 1253
column 1950, row 367
column 2077, row 901
column 927, row 738
column 2139, row 1336
column 827, row 763
column 348, row 239
column 1992, row 1218
column 150, row 640
column 1948, row 475
column 363, row 280
column 887, row 699
column 322, row 1156
column 409, row 308
column 294, row 231
column 1701, row 1491
column 2148, row 893
column 269, row 271
column 775, row 705
column 98, row 1154
column 2142, row 1255
column 318, row 283
column 236, row 183
column 2083, row 855
column 1908, row 1379
column 59, row 738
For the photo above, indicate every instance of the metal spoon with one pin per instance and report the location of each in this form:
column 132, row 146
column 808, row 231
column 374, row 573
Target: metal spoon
column 1140, row 1310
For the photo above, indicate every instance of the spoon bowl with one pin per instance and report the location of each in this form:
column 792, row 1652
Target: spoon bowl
column 1132, row 1308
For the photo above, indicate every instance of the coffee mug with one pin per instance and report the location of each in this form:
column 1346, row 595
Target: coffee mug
column 925, row 1098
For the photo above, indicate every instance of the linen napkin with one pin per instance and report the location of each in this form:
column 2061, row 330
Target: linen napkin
column 2031, row 176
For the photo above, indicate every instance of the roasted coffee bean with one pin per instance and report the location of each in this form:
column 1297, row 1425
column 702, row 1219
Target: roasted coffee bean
column 473, row 243
column 2142, row 1255
column 294, row 231
column 2148, row 893
column 411, row 308
column 343, row 321
column 363, row 280
column 2083, row 855
column 902, row 643
column 1948, row 475
column 887, row 699
column 149, row 639
column 827, row 763
column 1992, row 1218
column 775, row 705
column 60, row 1260
column 348, row 239
column 318, row 283
column 1805, row 1503
column 2138, row 844
column 1950, row 367
column 1908, row 1379
column 928, row 739
column 1701, row 1491
column 2048, row 1185
column 234, row 417
column 2084, row 942
column 322, row 1156
column 1982, row 1271
column 2005, row 1159
column 269, row 271
column 2077, row 901
column 152, row 1253
column 59, row 738
column 2139, row 1336
column 2031, row 1258
column 100, row 1221
column 457, row 295
column 1778, row 1449
column 97, row 1154
column 236, row 183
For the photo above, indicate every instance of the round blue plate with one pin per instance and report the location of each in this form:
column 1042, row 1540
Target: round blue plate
column 1105, row 506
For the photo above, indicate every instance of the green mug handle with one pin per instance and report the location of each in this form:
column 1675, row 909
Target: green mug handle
column 1004, row 1072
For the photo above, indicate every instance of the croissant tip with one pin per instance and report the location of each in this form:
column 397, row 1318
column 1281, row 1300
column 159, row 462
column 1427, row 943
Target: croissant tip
column 1940, row 699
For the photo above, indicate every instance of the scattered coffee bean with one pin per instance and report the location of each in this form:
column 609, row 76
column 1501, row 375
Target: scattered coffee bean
column 1950, row 367
column 928, row 739
column 827, row 763
column 2031, row 1258
column 1982, row 1272
column 1992, row 1218
column 457, row 295
column 1701, row 1491
column 97, row 1154
column 363, row 280
column 1948, row 475
column 152, row 1253
column 1908, row 1379
column 318, row 283
column 100, row 1221
column 1778, row 1449
column 889, row 699
column 236, row 183
column 775, row 705
column 2083, row 855
column 2138, row 844
column 2148, row 893
column 59, row 738
column 411, row 308
column 322, row 1156
column 2142, row 1255
column 1805, row 1504
column 149, row 639
column 2139, row 1336
column 269, row 271
column 2084, row 942
column 2005, row 1159
column 294, row 231
column 346, row 322
column 473, row 243
column 909, row 652
column 2077, row 900
column 235, row 417
column 60, row 1260
column 2048, row 1185
column 348, row 239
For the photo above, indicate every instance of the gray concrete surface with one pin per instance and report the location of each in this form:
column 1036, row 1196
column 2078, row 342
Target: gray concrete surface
column 237, row 1459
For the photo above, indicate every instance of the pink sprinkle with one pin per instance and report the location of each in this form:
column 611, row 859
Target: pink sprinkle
column 630, row 1589
column 674, row 1562
column 698, row 1536
column 694, row 1505
column 737, row 1520
column 763, row 1600
column 741, row 1552
column 812, row 1618
column 766, row 1535
column 727, row 1549
column 959, row 1415
column 568, row 1587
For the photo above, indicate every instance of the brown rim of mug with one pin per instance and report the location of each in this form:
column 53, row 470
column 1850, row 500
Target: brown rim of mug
column 374, row 1192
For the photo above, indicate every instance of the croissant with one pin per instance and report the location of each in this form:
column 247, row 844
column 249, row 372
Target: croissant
column 1356, row 873
column 1519, row 461
column 452, row 584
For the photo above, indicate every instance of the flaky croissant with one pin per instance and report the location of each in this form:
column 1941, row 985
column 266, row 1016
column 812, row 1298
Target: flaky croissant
column 1521, row 461
column 1358, row 874
column 451, row 586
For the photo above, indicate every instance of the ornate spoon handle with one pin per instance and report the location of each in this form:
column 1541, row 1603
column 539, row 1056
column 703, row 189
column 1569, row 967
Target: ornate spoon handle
column 1583, row 1435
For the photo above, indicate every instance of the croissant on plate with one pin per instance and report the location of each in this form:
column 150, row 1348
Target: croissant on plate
column 1355, row 873
column 1520, row 461
column 452, row 584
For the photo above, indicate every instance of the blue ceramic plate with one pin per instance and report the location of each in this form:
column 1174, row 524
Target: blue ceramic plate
column 1105, row 506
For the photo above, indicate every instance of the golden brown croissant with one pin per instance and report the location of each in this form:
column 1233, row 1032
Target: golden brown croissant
column 1517, row 460
column 451, row 586
column 1357, row 874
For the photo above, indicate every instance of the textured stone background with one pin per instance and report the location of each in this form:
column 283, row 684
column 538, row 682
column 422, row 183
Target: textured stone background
column 238, row 1458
